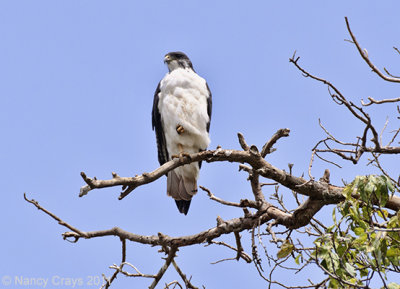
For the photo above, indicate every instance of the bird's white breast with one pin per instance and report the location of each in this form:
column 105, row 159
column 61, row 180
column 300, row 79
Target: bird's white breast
column 183, row 101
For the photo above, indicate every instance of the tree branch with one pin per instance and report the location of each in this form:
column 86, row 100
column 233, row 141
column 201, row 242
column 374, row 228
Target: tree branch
column 317, row 190
column 364, row 55
column 373, row 101
column 267, row 148
column 163, row 269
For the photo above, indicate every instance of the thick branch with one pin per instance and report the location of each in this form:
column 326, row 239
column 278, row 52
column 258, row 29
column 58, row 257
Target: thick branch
column 299, row 218
column 227, row 227
column 317, row 190
column 306, row 211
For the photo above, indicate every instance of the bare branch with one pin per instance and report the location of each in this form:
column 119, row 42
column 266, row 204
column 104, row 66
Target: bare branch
column 242, row 142
column 267, row 148
column 310, row 165
column 175, row 283
column 396, row 49
column 163, row 269
column 238, row 245
column 234, row 225
column 119, row 269
column 61, row 222
column 257, row 191
column 109, row 281
column 242, row 204
column 337, row 96
column 366, row 58
column 183, row 276
column 373, row 101
column 317, row 190
column 357, row 148
column 243, row 255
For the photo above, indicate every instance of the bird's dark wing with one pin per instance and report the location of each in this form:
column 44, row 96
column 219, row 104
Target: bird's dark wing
column 209, row 110
column 209, row 107
column 157, row 125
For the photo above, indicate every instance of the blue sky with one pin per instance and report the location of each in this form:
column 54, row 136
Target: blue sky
column 77, row 80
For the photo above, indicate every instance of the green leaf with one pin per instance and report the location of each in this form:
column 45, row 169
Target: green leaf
column 341, row 249
column 333, row 283
column 383, row 186
column 393, row 286
column 330, row 228
column 384, row 215
column 334, row 216
column 354, row 213
column 285, row 250
column 393, row 252
column 384, row 197
column 363, row 224
column 389, row 184
column 368, row 190
column 362, row 238
column 323, row 251
column 394, row 222
column 297, row 260
column 350, row 269
column 366, row 212
column 363, row 272
column 358, row 231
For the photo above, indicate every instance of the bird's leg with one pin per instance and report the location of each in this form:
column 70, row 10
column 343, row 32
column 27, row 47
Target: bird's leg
column 181, row 153
column 179, row 129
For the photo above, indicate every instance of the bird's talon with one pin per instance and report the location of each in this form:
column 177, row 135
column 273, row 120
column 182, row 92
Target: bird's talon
column 185, row 155
column 180, row 129
column 181, row 156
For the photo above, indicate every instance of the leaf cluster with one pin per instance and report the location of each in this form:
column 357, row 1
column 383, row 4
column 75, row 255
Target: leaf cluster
column 366, row 239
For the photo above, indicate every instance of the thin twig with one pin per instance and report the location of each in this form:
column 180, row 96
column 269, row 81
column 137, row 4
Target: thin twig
column 373, row 101
column 366, row 58
column 187, row 282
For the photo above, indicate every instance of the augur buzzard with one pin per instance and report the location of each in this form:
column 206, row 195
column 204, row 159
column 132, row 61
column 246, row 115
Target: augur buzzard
column 181, row 118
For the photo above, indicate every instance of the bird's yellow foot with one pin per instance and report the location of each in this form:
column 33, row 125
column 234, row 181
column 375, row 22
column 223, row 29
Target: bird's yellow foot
column 180, row 129
column 181, row 156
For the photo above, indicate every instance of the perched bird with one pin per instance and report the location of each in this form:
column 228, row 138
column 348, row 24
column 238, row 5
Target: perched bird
column 181, row 118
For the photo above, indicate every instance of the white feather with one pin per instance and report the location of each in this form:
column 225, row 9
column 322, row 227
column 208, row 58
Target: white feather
column 183, row 101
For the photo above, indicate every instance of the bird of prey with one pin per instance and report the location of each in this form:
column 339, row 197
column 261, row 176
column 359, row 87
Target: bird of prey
column 181, row 118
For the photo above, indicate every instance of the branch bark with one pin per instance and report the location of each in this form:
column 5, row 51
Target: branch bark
column 316, row 189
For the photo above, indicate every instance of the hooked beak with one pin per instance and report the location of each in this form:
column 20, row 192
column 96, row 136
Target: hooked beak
column 167, row 59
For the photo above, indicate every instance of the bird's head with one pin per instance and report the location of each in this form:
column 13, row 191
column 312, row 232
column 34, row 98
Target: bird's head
column 176, row 60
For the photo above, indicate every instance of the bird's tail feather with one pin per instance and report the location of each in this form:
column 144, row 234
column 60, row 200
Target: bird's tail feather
column 181, row 189
column 183, row 206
